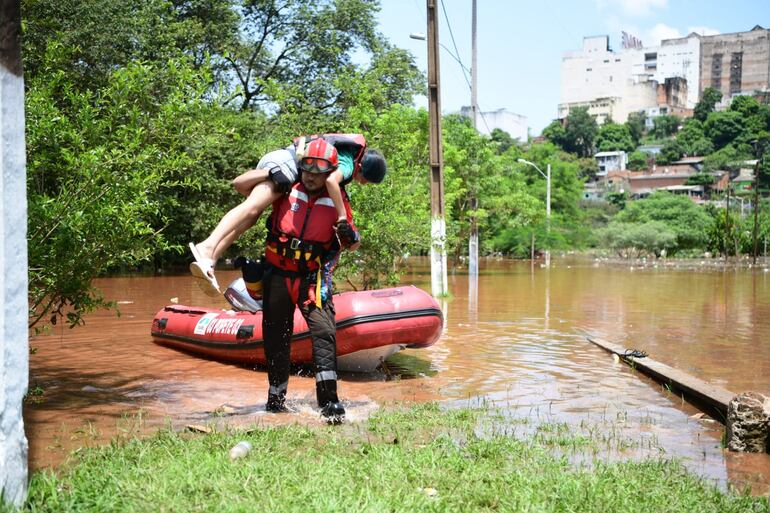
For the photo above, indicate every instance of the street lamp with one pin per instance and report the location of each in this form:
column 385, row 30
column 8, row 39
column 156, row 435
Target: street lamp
column 547, row 202
column 419, row 36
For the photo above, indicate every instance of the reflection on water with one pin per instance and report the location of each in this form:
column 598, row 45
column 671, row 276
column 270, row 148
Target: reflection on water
column 513, row 340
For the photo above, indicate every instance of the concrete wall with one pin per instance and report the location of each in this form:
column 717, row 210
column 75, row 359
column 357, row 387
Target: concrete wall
column 514, row 124
column 679, row 58
column 736, row 63
column 611, row 84
column 14, row 347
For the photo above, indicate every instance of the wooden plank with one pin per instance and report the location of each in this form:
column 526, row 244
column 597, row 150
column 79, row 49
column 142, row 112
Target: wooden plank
column 711, row 398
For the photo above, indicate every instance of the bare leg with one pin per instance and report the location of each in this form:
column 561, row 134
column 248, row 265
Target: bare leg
column 238, row 220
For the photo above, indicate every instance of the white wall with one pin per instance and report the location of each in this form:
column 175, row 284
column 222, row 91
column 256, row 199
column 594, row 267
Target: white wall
column 618, row 83
column 514, row 124
column 680, row 58
column 14, row 347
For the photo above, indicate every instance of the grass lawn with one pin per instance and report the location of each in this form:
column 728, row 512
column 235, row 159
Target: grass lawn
column 420, row 458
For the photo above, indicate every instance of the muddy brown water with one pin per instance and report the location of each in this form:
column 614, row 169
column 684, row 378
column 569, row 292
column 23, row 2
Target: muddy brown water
column 515, row 340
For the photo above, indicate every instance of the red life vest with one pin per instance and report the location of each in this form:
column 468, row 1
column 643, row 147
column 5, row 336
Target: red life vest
column 301, row 230
column 353, row 142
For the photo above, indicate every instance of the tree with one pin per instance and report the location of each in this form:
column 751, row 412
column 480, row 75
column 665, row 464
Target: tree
column 638, row 161
column 725, row 159
column 665, row 126
column 614, row 137
column 294, row 57
column 557, row 134
column 503, row 140
column 581, row 132
column 670, row 152
column 96, row 166
column 745, row 105
column 639, row 239
column 679, row 213
column 705, row 106
column 636, row 124
column 107, row 34
column 692, row 139
column 724, row 127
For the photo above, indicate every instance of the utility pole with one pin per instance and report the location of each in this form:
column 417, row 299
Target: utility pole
column 473, row 242
column 727, row 218
column 756, row 203
column 438, row 223
column 14, row 342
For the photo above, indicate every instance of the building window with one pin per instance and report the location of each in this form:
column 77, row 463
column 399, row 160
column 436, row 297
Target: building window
column 736, row 71
column 716, row 71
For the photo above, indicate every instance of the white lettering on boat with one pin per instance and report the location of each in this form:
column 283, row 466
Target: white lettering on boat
column 203, row 322
column 226, row 326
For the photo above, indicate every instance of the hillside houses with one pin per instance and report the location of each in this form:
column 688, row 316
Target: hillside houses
column 674, row 178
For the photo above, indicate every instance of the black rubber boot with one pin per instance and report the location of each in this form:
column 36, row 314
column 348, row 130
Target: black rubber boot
column 276, row 404
column 334, row 413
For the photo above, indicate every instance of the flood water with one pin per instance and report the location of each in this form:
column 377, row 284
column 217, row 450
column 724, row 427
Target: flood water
column 517, row 343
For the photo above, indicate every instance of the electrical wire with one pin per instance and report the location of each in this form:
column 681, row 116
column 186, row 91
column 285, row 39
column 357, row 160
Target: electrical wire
column 462, row 66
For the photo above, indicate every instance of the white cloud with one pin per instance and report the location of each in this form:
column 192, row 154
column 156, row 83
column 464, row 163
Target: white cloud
column 703, row 31
column 660, row 32
column 633, row 7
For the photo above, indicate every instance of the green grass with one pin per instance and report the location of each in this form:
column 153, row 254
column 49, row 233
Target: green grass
column 423, row 458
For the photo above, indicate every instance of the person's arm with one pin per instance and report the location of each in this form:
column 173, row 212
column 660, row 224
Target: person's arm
column 347, row 233
column 335, row 193
column 245, row 182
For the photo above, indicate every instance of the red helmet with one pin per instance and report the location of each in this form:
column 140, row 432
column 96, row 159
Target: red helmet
column 319, row 157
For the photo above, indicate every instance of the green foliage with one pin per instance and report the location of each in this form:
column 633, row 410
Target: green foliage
column 107, row 34
column 636, row 126
column 581, row 132
column 705, row 106
column 619, row 199
column 614, row 137
column 393, row 217
column 634, row 240
column 724, row 127
column 556, row 133
column 96, row 164
column 692, row 139
column 665, row 126
column 576, row 135
column 680, row 215
column 638, row 161
column 701, row 179
column 671, row 152
column 726, row 159
column 746, row 106
column 503, row 139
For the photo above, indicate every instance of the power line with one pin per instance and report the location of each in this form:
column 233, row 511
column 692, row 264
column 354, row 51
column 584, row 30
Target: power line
column 462, row 66
column 457, row 53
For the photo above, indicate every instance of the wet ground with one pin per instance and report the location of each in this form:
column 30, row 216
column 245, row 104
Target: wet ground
column 517, row 343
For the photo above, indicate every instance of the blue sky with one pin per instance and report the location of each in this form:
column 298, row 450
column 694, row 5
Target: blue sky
column 520, row 44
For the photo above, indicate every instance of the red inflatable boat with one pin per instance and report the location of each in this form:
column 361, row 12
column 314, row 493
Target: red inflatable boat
column 371, row 325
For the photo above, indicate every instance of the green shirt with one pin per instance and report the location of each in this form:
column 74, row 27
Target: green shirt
column 345, row 164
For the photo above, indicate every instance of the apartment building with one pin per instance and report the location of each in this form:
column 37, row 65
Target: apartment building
column 664, row 79
column 737, row 63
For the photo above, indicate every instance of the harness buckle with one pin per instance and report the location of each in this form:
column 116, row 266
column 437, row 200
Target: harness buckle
column 294, row 244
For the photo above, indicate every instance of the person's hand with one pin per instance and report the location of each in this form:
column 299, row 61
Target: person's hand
column 281, row 180
column 345, row 232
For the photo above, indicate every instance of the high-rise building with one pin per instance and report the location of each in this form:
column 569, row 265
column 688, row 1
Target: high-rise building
column 737, row 63
column 664, row 79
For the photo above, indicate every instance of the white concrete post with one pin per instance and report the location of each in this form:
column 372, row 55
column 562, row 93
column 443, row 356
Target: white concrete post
column 14, row 344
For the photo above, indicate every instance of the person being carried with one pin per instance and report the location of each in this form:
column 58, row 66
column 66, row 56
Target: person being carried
column 301, row 251
column 274, row 175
